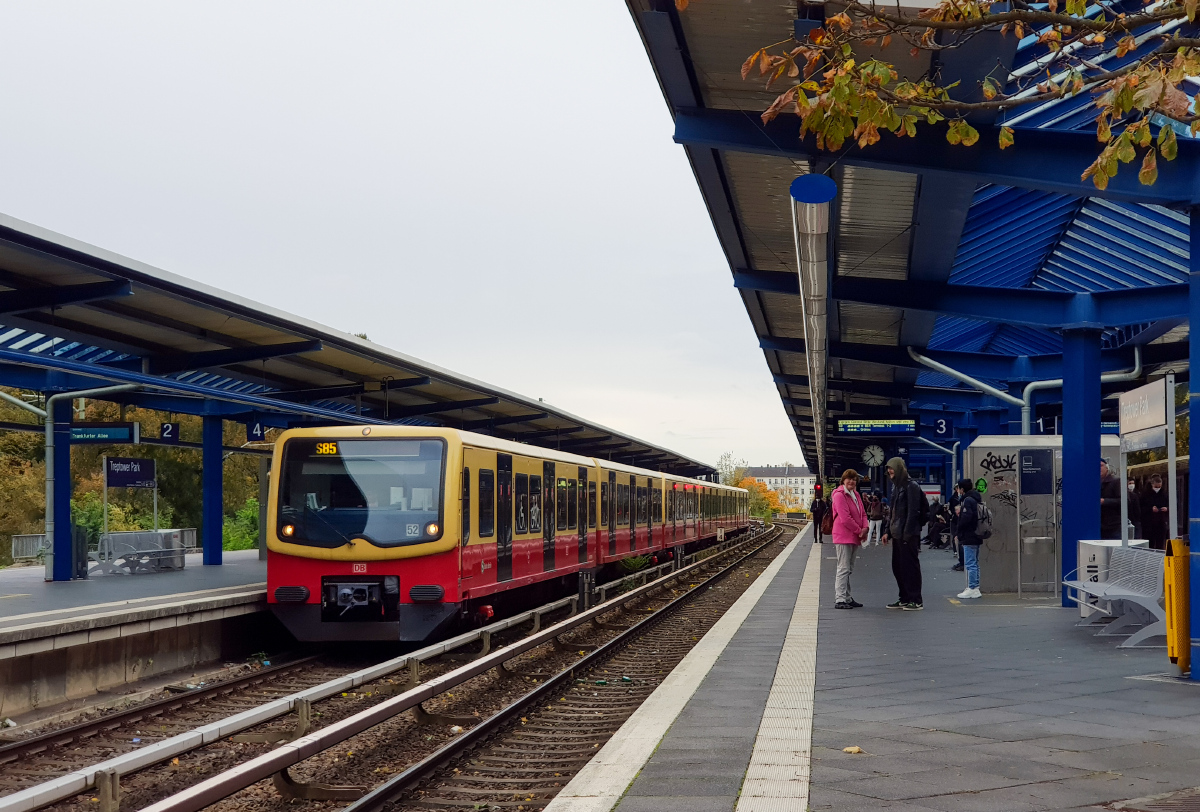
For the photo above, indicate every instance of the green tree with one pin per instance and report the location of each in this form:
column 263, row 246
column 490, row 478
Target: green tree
column 843, row 82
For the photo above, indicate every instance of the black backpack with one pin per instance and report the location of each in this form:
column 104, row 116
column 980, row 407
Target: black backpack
column 983, row 528
column 922, row 508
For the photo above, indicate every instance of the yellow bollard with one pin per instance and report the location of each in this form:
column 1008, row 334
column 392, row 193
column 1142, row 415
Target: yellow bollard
column 1176, row 565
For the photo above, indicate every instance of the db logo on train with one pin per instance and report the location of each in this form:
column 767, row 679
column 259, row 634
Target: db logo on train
column 360, row 569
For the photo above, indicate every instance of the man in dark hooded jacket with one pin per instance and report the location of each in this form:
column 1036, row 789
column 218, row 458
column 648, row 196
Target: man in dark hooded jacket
column 905, row 530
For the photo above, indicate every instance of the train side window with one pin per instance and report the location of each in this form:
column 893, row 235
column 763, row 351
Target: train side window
column 535, row 504
column 604, row 504
column 656, row 506
column 466, row 505
column 487, row 502
column 522, row 493
column 572, row 503
column 591, row 503
column 562, row 503
column 622, row 513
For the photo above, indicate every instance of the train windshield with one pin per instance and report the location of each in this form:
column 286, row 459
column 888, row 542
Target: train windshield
column 386, row 491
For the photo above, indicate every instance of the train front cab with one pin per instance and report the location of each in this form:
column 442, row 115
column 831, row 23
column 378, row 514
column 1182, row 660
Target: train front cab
column 362, row 533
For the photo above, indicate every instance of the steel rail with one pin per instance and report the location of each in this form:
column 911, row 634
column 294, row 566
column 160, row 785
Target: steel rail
column 393, row 788
column 22, row 748
column 268, row 764
column 81, row 780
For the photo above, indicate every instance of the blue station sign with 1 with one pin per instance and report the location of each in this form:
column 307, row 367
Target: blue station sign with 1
column 105, row 433
column 129, row 472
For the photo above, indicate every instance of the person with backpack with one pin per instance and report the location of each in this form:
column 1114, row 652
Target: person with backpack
column 849, row 530
column 875, row 517
column 818, row 510
column 974, row 524
column 910, row 512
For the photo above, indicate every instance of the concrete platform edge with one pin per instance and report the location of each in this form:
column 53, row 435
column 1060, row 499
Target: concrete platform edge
column 16, row 641
column 599, row 786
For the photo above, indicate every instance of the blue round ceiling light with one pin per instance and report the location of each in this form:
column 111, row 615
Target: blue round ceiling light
column 813, row 189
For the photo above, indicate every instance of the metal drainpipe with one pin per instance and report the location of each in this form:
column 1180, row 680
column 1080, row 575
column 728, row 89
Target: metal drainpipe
column 937, row 366
column 29, row 407
column 809, row 198
column 1108, row 377
column 49, row 415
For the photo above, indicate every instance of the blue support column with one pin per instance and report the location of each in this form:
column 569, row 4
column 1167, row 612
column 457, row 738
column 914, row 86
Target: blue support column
column 64, row 566
column 212, row 512
column 1193, row 525
column 1081, row 445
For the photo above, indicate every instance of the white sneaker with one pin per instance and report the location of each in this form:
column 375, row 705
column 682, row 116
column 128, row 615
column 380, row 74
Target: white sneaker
column 970, row 593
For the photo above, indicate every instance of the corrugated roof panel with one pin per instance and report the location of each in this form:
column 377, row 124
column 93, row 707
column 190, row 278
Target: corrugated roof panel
column 875, row 213
column 868, row 324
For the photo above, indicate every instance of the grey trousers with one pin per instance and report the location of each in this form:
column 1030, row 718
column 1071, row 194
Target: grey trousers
column 846, row 553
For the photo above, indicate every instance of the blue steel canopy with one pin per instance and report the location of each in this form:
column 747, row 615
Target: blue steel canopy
column 973, row 256
column 73, row 317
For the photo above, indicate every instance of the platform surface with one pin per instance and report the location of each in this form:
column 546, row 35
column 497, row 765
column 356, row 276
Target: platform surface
column 25, row 595
column 995, row 704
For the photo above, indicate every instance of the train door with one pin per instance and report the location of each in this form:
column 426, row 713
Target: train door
column 547, row 516
column 611, row 499
column 583, row 515
column 504, row 517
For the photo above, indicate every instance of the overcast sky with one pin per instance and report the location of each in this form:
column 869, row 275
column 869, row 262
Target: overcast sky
column 488, row 186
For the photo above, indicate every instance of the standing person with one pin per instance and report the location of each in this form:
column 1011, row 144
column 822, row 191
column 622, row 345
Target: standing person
column 817, row 509
column 1110, row 503
column 968, row 536
column 875, row 517
column 1156, row 513
column 1135, row 509
column 958, row 494
column 849, row 529
column 905, row 531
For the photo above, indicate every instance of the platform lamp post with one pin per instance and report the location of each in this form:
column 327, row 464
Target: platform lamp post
column 811, row 195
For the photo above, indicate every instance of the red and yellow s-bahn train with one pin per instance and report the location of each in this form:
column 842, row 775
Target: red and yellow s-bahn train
column 402, row 533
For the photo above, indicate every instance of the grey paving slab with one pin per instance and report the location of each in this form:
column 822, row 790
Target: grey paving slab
column 987, row 706
column 24, row 590
column 726, row 710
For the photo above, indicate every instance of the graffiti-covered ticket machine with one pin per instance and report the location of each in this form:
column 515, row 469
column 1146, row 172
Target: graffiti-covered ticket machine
column 1020, row 478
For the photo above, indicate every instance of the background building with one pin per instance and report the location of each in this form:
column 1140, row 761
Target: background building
column 793, row 483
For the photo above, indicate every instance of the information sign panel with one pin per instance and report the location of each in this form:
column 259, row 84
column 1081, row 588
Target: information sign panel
column 1144, row 407
column 879, row 426
column 1037, row 471
column 128, row 472
column 104, row 433
column 168, row 432
column 255, row 432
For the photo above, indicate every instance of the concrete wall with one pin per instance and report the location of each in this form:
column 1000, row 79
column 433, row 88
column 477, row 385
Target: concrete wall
column 46, row 670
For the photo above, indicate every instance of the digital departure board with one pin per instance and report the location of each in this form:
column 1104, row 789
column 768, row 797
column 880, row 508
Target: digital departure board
column 880, row 426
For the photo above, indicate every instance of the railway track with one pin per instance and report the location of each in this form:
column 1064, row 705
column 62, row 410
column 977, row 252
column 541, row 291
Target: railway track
column 385, row 740
column 522, row 757
column 35, row 759
column 135, row 774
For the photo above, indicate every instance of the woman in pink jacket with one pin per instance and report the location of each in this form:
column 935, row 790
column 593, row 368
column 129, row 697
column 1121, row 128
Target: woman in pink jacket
column 849, row 529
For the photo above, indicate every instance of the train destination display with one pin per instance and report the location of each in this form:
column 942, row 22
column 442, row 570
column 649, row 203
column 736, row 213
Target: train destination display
column 889, row 426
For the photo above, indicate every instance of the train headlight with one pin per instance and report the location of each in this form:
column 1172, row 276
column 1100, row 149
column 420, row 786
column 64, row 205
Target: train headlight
column 432, row 529
column 289, row 530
